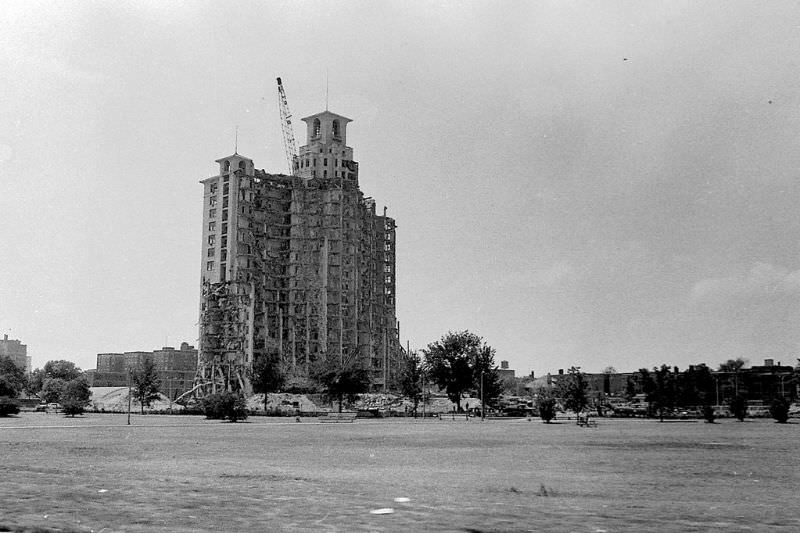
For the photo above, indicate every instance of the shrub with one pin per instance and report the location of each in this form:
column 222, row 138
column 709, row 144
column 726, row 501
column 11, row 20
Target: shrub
column 738, row 407
column 547, row 409
column 8, row 406
column 225, row 405
column 708, row 414
column 75, row 397
column 779, row 409
column 72, row 408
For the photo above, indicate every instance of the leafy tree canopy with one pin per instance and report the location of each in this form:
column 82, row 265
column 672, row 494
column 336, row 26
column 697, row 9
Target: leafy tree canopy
column 546, row 406
column 779, row 410
column 491, row 385
column 12, row 378
column 146, row 383
column 225, row 405
column 695, row 386
column 411, row 378
column 342, row 379
column 61, row 369
column 267, row 376
column 738, row 407
column 572, row 389
column 455, row 363
column 662, row 397
column 75, row 396
column 732, row 365
column 52, row 390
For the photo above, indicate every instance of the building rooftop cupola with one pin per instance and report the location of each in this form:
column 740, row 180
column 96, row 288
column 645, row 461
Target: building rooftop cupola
column 235, row 162
column 326, row 128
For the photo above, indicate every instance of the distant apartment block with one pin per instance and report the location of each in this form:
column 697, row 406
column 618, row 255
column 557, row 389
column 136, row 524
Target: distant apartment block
column 176, row 368
column 17, row 352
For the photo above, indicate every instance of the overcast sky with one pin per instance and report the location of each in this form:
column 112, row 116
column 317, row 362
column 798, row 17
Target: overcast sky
column 580, row 183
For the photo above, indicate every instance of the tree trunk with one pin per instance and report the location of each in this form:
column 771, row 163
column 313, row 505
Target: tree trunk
column 265, row 402
column 340, row 403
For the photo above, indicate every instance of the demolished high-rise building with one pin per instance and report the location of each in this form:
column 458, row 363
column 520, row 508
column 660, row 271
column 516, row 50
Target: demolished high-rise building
column 297, row 267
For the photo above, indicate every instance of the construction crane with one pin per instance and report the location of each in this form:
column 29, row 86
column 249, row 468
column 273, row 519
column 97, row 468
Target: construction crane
column 289, row 144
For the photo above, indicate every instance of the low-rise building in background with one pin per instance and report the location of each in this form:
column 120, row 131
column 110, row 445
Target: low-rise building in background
column 176, row 368
column 17, row 352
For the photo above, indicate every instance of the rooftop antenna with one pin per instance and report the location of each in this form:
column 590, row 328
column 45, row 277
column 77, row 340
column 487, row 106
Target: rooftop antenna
column 326, row 89
column 236, row 141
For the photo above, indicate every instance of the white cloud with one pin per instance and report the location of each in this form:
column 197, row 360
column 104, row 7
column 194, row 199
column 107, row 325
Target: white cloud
column 763, row 280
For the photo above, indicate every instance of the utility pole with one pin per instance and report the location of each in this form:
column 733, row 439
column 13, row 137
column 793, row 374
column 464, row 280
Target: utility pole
column 423, row 395
column 483, row 407
column 129, row 396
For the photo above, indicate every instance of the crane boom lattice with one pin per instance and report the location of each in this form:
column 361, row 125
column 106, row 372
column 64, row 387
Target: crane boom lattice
column 289, row 144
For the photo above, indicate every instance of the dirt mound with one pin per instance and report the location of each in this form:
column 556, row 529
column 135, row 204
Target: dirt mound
column 115, row 400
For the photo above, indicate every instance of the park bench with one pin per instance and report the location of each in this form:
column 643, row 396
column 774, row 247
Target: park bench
column 586, row 422
column 338, row 417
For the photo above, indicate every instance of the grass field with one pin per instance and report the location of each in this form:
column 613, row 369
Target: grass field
column 182, row 473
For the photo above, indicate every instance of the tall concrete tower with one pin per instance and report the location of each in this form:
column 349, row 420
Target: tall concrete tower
column 298, row 268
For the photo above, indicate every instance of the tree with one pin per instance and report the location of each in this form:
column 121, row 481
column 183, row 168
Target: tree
column 75, row 396
column 695, row 386
column 738, row 407
column 663, row 391
column 8, row 406
column 146, row 383
column 571, row 388
column 267, row 376
column 52, row 388
column 630, row 387
column 12, row 378
column 547, row 408
column 452, row 361
column 65, row 370
column 779, row 409
column 35, row 382
column 344, row 379
column 225, row 405
column 732, row 365
column 411, row 376
column 12, row 382
column 485, row 379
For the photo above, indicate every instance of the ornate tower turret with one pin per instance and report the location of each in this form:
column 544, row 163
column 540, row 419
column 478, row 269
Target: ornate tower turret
column 326, row 154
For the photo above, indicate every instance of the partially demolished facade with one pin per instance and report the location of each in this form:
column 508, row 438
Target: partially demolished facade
column 297, row 267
